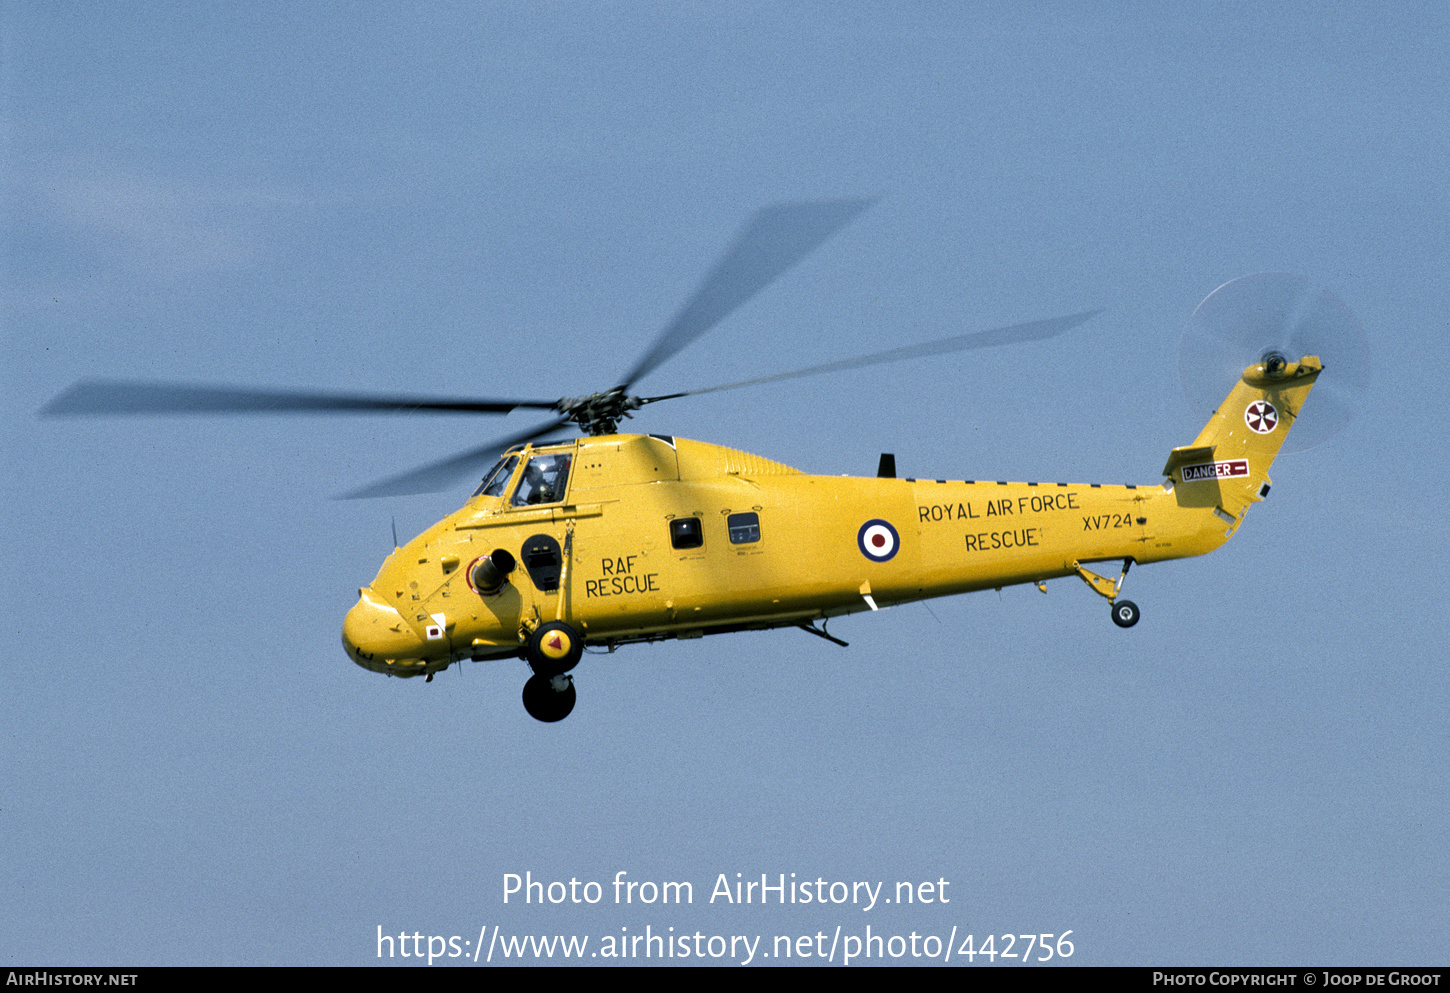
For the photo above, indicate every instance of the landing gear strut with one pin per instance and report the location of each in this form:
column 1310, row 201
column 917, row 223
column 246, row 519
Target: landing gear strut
column 1125, row 612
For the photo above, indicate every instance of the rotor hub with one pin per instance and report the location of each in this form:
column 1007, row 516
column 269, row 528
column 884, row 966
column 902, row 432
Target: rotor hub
column 599, row 413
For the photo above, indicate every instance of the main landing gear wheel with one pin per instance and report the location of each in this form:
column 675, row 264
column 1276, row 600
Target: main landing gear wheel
column 549, row 699
column 553, row 648
column 1125, row 613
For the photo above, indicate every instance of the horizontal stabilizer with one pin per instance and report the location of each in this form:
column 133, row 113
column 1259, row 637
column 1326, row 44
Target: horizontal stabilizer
column 1188, row 455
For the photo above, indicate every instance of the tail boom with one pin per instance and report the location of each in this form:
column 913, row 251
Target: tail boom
column 1214, row 481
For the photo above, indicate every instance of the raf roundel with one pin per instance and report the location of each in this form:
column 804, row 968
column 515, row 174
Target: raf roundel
column 1261, row 417
column 878, row 540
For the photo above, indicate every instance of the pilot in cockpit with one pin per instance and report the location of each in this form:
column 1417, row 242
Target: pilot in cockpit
column 543, row 480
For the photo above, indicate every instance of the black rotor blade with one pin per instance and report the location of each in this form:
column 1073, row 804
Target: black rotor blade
column 1010, row 335
column 100, row 397
column 775, row 239
column 440, row 475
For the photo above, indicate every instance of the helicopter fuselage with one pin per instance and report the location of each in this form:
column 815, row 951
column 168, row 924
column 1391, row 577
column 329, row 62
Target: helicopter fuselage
column 653, row 537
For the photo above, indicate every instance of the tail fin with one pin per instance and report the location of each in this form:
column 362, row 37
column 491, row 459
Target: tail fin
column 1227, row 466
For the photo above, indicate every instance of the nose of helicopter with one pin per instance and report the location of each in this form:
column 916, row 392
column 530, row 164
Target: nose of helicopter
column 376, row 637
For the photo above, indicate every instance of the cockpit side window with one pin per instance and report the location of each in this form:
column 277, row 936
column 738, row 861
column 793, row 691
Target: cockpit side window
column 544, row 480
column 494, row 483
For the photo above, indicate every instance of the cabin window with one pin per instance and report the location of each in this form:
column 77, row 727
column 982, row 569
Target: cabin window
column 686, row 532
column 544, row 479
column 493, row 484
column 744, row 528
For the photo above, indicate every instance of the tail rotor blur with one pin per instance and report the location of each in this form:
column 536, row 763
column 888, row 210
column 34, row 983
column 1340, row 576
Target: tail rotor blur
column 1253, row 318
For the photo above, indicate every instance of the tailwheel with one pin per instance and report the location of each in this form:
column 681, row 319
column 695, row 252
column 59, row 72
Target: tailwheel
column 549, row 699
column 1125, row 613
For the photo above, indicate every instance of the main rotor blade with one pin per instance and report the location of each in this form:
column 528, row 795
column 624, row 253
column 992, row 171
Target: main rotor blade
column 1012, row 334
column 440, row 475
column 100, row 397
column 775, row 239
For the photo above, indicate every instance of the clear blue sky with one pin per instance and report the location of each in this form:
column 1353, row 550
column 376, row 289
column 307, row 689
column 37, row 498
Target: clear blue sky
column 512, row 200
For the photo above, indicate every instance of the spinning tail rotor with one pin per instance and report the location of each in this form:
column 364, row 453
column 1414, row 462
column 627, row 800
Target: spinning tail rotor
column 1254, row 318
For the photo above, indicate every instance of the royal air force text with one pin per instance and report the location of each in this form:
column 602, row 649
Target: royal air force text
column 1022, row 537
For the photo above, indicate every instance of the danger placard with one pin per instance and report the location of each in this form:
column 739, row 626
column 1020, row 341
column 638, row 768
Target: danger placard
column 1215, row 470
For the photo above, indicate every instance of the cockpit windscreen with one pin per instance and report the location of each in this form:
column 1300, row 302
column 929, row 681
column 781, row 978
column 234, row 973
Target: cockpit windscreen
column 498, row 479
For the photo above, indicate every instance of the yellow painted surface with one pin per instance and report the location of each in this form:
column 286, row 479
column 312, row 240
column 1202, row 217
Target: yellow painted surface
column 620, row 576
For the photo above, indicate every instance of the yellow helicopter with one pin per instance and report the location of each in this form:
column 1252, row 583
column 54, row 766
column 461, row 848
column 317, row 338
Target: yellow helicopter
column 611, row 539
